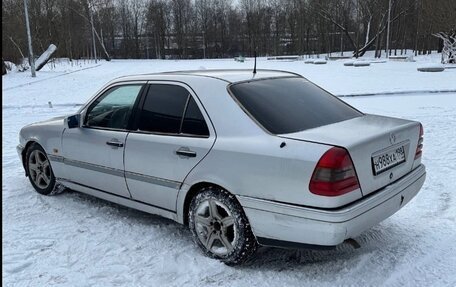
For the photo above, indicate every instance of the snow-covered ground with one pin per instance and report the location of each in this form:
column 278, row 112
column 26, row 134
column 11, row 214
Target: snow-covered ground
column 76, row 240
column 62, row 83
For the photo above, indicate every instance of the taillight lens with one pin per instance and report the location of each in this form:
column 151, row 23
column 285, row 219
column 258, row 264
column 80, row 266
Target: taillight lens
column 334, row 174
column 419, row 148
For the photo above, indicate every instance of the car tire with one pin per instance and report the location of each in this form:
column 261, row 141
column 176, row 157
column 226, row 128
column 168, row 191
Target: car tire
column 39, row 170
column 220, row 227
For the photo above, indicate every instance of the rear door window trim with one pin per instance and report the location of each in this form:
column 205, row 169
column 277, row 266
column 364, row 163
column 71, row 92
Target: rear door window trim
column 191, row 95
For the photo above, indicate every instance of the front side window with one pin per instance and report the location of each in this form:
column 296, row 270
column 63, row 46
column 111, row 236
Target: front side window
column 170, row 109
column 113, row 109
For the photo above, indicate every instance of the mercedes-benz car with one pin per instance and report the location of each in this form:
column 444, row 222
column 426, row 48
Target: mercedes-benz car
column 244, row 159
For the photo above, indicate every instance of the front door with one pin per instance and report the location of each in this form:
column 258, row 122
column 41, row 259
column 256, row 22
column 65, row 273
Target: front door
column 171, row 137
column 93, row 153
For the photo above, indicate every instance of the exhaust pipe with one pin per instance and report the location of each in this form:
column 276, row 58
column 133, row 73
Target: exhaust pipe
column 353, row 243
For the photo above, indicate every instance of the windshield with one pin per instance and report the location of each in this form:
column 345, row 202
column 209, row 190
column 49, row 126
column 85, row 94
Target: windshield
column 288, row 105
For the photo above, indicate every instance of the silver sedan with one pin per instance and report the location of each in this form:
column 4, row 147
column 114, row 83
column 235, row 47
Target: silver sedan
column 243, row 159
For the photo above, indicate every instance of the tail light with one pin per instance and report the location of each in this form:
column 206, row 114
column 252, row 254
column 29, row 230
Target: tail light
column 419, row 148
column 334, row 174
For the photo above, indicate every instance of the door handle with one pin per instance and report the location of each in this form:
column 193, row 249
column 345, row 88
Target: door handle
column 114, row 143
column 185, row 152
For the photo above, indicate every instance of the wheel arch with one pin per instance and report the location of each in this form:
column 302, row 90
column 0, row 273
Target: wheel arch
column 193, row 191
column 24, row 153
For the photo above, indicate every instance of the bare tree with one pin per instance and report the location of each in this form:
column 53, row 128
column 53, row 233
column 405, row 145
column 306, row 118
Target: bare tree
column 224, row 28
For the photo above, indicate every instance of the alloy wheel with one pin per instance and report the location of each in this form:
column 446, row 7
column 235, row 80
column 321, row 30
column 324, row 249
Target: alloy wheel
column 215, row 227
column 39, row 169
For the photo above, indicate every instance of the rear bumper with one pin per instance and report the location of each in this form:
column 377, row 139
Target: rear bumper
column 274, row 222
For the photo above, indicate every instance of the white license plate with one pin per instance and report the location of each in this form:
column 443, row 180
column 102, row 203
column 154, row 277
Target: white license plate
column 388, row 159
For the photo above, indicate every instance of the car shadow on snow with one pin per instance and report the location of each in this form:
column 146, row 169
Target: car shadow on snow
column 382, row 248
column 387, row 241
column 110, row 211
column 133, row 216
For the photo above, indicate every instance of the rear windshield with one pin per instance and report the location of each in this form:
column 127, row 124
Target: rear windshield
column 288, row 105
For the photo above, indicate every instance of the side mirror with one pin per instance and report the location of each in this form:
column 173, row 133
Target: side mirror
column 73, row 121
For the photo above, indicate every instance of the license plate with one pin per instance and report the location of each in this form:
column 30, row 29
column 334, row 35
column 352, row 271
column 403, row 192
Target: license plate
column 388, row 159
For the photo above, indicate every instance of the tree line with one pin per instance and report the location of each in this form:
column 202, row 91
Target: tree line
column 224, row 28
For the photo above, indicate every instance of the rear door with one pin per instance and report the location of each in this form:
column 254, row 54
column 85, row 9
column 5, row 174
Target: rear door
column 93, row 154
column 172, row 135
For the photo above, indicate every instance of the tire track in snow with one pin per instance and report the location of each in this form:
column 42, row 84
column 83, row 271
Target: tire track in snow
column 395, row 93
column 424, row 265
column 49, row 78
column 41, row 106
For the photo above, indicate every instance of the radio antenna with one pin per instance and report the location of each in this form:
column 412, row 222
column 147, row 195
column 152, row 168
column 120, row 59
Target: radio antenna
column 254, row 67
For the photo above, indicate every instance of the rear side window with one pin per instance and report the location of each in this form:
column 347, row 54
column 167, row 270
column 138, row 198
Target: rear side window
column 288, row 105
column 194, row 123
column 163, row 109
column 170, row 109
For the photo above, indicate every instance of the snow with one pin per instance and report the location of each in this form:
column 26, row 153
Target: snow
column 431, row 67
column 361, row 63
column 77, row 240
column 320, row 62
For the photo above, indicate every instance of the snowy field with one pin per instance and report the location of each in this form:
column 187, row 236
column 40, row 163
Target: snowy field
column 76, row 240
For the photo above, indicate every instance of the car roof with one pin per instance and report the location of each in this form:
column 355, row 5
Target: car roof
column 227, row 75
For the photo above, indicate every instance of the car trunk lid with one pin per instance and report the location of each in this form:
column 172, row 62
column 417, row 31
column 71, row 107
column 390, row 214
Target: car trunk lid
column 382, row 148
